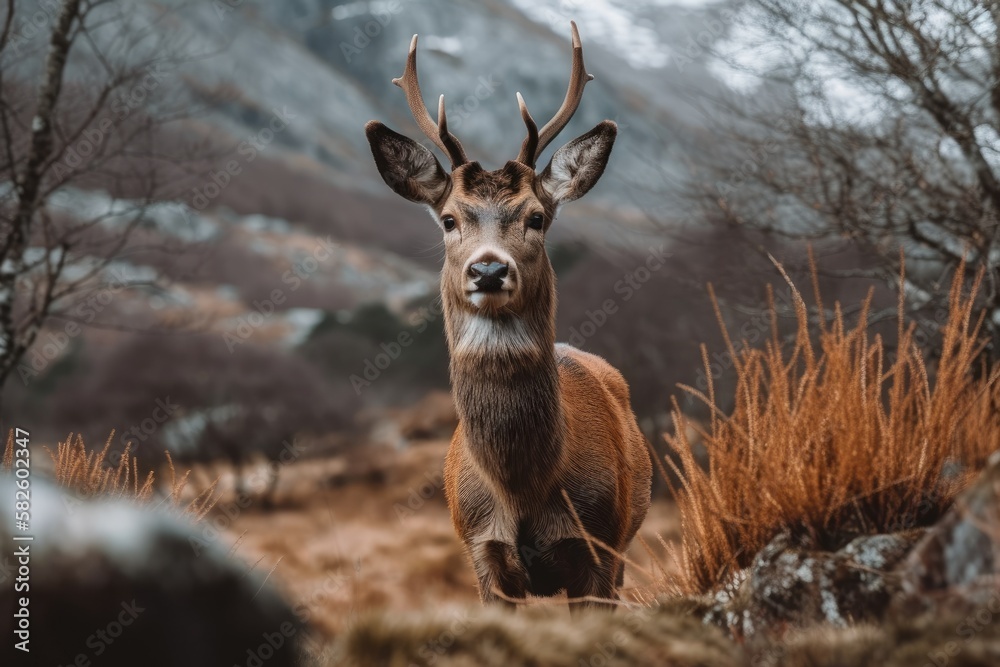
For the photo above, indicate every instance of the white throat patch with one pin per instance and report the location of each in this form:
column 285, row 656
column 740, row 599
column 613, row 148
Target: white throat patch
column 480, row 335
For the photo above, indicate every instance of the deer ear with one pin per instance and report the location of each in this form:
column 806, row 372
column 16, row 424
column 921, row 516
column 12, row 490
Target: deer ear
column 578, row 165
column 408, row 168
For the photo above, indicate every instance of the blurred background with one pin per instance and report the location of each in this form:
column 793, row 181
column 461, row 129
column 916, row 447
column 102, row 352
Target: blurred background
column 198, row 252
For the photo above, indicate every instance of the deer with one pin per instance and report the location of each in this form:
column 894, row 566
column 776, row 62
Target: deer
column 548, row 475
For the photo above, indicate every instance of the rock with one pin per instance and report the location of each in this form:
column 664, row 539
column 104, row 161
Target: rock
column 961, row 551
column 113, row 582
column 792, row 584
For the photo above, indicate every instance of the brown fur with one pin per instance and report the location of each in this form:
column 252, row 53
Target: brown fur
column 534, row 420
column 505, row 494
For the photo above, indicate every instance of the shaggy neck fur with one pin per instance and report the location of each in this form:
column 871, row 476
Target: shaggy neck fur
column 506, row 389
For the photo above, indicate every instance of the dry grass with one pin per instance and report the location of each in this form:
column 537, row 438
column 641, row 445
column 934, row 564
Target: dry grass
column 666, row 634
column 835, row 439
column 89, row 474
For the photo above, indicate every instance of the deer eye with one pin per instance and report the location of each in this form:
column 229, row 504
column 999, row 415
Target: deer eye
column 536, row 221
column 449, row 222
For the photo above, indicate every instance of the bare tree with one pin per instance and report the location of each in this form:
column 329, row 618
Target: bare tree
column 881, row 128
column 94, row 131
column 203, row 403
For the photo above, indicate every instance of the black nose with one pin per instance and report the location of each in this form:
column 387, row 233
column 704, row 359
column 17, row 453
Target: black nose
column 489, row 277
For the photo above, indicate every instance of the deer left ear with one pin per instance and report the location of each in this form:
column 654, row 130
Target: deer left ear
column 408, row 168
column 576, row 167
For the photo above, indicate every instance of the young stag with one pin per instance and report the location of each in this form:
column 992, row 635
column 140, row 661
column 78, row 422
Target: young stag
column 540, row 422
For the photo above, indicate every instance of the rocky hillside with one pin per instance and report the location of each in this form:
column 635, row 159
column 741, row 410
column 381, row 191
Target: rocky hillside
column 305, row 246
column 330, row 64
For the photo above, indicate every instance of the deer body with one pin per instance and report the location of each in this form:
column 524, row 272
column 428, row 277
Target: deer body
column 539, row 422
column 504, row 480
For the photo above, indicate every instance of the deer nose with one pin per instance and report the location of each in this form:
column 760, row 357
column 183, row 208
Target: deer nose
column 488, row 276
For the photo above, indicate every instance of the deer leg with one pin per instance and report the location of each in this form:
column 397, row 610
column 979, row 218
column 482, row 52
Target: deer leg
column 500, row 571
column 586, row 579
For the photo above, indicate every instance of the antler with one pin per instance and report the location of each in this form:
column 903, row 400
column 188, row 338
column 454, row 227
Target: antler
column 438, row 133
column 536, row 141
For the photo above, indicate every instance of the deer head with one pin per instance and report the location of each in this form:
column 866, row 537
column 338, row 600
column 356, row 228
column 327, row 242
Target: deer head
column 494, row 222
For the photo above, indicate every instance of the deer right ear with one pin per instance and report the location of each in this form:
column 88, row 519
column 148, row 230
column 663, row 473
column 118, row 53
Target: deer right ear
column 407, row 167
column 576, row 167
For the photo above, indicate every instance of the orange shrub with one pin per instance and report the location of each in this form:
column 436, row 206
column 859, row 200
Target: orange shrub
column 835, row 439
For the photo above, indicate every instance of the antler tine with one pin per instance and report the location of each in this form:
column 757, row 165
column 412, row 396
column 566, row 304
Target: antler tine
column 530, row 144
column 578, row 79
column 451, row 145
column 436, row 132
